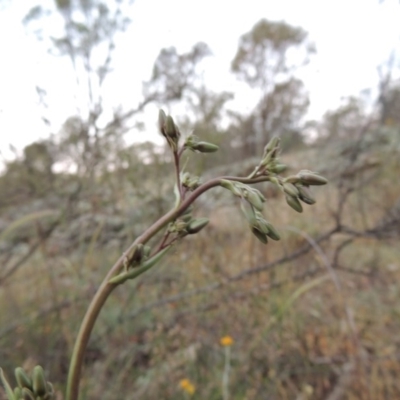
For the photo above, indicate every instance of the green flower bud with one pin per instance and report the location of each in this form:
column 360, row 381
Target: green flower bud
column 254, row 198
column 138, row 255
column 261, row 225
column 17, row 393
column 7, row 387
column 305, row 195
column 169, row 130
column 273, row 143
column 50, row 395
column 311, row 178
column 196, row 225
column 277, row 168
column 191, row 140
column 294, row 203
column 269, row 158
column 190, row 182
column 290, row 189
column 162, row 122
column 178, row 226
column 27, row 394
column 205, row 147
column 272, row 232
column 185, row 177
column 38, row 381
column 22, row 378
column 262, row 237
column 249, row 213
column 146, row 251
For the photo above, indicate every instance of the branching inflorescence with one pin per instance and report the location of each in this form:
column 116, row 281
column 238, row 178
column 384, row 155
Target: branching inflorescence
column 174, row 226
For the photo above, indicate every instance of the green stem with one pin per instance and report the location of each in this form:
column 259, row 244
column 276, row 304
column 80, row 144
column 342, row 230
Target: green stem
column 178, row 178
column 106, row 288
column 225, row 377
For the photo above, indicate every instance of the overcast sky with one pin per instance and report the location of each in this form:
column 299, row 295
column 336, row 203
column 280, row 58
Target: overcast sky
column 352, row 38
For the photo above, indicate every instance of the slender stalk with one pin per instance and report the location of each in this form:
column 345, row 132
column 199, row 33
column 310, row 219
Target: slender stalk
column 178, row 177
column 227, row 370
column 106, row 288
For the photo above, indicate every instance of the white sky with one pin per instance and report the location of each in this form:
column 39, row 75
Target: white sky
column 352, row 38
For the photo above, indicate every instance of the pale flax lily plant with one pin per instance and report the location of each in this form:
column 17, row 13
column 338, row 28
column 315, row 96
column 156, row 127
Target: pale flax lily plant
column 175, row 225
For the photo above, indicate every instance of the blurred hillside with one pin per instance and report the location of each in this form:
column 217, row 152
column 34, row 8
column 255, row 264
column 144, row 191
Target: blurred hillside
column 313, row 316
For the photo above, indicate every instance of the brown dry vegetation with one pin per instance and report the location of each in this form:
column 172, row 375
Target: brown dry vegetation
column 314, row 316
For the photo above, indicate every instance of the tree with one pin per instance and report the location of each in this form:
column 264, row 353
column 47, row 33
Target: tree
column 263, row 62
column 346, row 121
column 174, row 74
column 86, row 37
column 175, row 78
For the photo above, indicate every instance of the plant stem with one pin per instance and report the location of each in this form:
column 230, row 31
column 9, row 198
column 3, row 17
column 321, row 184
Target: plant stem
column 106, row 288
column 178, row 178
column 225, row 377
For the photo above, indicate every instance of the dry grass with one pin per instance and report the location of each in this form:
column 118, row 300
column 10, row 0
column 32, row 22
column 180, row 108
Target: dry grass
column 292, row 336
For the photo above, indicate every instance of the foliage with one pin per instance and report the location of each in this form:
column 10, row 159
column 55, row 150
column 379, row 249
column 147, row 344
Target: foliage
column 262, row 61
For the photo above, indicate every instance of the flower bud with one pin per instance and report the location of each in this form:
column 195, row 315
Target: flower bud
column 311, row 178
column 278, row 168
column 146, row 251
column 50, row 395
column 38, row 381
column 254, row 198
column 178, row 226
column 290, row 189
column 249, row 213
column 294, row 203
column 262, row 237
column 27, row 394
column 162, row 121
column 272, row 232
column 22, row 378
column 136, row 255
column 7, row 387
column 274, row 142
column 205, row 147
column 17, row 393
column 189, row 181
column 196, row 225
column 305, row 195
column 168, row 129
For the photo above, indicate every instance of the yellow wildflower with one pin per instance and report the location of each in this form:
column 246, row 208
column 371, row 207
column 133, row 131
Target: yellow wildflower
column 187, row 386
column 226, row 341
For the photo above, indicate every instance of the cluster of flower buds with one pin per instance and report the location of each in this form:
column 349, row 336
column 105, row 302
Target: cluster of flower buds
column 34, row 387
column 187, row 225
column 297, row 187
column 169, row 130
column 260, row 227
column 137, row 256
column 252, row 206
column 252, row 195
column 195, row 144
column 270, row 161
column 189, row 181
